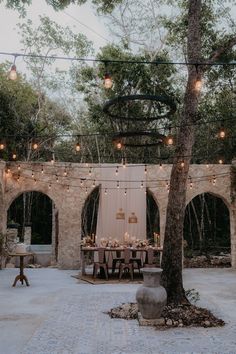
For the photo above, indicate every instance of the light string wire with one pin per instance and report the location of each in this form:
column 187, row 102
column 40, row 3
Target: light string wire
column 84, row 179
column 119, row 61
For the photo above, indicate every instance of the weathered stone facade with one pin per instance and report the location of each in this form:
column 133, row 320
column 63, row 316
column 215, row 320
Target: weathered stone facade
column 69, row 202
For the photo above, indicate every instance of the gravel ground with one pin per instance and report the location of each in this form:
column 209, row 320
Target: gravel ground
column 58, row 314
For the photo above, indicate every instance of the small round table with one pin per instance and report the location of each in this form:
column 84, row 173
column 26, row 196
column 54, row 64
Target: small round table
column 21, row 277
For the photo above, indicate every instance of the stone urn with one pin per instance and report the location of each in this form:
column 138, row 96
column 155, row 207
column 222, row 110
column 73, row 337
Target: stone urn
column 151, row 296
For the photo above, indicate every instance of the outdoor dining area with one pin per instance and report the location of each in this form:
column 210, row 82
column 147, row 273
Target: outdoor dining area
column 114, row 259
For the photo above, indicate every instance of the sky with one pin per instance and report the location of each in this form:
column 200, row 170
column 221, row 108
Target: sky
column 10, row 39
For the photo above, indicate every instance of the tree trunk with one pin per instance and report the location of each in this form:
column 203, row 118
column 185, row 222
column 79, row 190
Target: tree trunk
column 172, row 252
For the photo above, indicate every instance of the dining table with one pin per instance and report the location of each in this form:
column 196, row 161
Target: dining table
column 110, row 251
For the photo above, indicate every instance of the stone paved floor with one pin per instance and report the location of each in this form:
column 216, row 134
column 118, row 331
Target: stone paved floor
column 57, row 314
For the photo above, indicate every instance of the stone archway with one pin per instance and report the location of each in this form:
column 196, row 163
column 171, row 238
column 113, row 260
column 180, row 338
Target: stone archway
column 207, row 225
column 35, row 214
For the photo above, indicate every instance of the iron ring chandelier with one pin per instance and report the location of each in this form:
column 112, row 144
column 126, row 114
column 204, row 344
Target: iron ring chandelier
column 164, row 105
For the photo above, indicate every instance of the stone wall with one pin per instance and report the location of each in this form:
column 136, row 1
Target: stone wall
column 69, row 202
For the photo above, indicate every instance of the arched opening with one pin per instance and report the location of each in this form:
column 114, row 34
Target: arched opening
column 153, row 216
column 90, row 214
column 34, row 216
column 207, row 230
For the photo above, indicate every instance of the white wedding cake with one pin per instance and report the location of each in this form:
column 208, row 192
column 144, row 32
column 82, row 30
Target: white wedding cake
column 20, row 248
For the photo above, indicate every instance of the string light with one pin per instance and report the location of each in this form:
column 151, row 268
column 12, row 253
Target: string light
column 81, row 183
column 35, row 146
column 182, row 164
column 117, row 170
column 169, row 138
column 49, row 186
column 167, row 185
column 222, row 133
column 12, row 73
column 119, row 145
column 220, row 161
column 214, row 180
column 90, row 171
column 2, row 146
column 14, row 156
column 118, row 184
column 125, row 191
column 198, row 85
column 77, row 147
column 32, row 174
column 94, row 183
column 42, row 170
column 68, row 188
column 145, row 169
column 57, row 179
column 124, row 163
column 18, row 177
column 18, row 167
column 190, row 183
column 160, row 165
column 141, row 186
column 107, row 81
column 65, row 173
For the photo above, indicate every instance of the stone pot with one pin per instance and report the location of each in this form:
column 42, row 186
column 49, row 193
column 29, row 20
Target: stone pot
column 151, row 296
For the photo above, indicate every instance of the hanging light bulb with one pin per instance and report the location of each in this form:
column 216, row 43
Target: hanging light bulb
column 32, row 174
column 14, row 156
column 18, row 177
column 2, row 146
column 222, row 133
column 68, row 188
column 160, row 165
column 117, row 170
column 42, row 170
column 94, row 183
column 65, row 173
column 107, row 81
column 77, row 147
column 169, row 138
column 18, row 167
column 8, row 170
column 125, row 191
column 214, row 180
column 90, row 171
column 81, row 182
column 141, row 186
column 220, row 161
column 119, row 145
column 105, row 192
column 35, row 146
column 12, row 73
column 118, row 184
column 167, row 185
column 190, row 183
column 198, row 85
column 49, row 186
column 182, row 164
column 145, row 169
column 124, row 162
column 57, row 179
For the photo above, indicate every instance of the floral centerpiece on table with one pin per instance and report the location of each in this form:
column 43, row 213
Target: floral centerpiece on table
column 142, row 243
column 88, row 241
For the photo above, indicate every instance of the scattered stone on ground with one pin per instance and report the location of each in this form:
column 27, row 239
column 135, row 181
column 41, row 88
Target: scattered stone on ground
column 180, row 316
column 33, row 265
column 223, row 260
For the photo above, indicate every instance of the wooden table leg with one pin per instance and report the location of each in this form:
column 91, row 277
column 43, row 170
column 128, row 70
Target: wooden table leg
column 82, row 263
column 21, row 277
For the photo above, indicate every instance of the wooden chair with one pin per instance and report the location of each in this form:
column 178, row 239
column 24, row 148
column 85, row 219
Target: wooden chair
column 134, row 259
column 149, row 261
column 127, row 264
column 117, row 261
column 101, row 264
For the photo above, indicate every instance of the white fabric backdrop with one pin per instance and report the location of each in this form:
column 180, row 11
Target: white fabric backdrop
column 134, row 201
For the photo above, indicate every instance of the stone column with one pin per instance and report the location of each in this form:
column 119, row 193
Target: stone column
column 233, row 237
